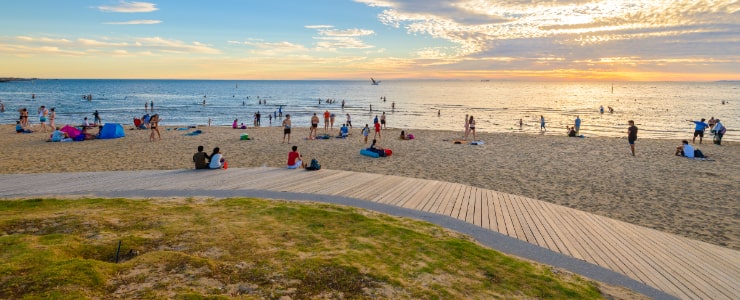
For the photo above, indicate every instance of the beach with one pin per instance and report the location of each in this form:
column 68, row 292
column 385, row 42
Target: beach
column 692, row 198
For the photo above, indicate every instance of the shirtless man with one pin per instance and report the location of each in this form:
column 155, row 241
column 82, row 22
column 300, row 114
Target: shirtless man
column 314, row 126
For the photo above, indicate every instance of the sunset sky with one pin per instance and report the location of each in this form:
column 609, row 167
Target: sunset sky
column 661, row 40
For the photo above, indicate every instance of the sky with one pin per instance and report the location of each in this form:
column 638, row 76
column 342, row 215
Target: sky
column 559, row 40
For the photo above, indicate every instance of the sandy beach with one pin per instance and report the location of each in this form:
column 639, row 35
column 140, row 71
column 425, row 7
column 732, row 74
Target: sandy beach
column 692, row 198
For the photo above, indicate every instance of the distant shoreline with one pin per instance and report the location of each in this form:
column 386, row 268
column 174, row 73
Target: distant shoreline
column 9, row 79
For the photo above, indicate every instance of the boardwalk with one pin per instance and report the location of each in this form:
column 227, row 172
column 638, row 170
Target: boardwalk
column 679, row 266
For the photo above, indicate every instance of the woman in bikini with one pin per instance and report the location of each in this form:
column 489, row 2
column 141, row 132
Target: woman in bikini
column 471, row 123
column 154, row 125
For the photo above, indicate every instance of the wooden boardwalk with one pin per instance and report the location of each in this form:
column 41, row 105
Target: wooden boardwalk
column 679, row 266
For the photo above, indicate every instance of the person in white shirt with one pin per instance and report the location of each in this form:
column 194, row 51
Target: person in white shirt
column 217, row 159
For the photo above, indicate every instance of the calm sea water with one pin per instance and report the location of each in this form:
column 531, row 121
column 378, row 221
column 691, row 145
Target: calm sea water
column 660, row 109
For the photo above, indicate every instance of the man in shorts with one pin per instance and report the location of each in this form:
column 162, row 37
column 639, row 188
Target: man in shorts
column 314, row 126
column 699, row 130
column 382, row 120
column 632, row 135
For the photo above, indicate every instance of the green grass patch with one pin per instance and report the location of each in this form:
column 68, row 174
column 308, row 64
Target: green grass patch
column 234, row 248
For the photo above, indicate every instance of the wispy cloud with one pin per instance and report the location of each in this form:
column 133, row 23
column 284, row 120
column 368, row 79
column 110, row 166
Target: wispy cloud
column 271, row 48
column 102, row 46
column 331, row 39
column 129, row 7
column 135, row 22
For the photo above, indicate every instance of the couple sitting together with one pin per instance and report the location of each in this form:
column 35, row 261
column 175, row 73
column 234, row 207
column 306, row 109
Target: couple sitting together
column 214, row 161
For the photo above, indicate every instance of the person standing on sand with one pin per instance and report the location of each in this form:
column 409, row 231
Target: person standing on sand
column 719, row 132
column 699, row 130
column 331, row 121
column 154, row 126
column 632, row 135
column 382, row 120
column 314, row 127
column 542, row 123
column 43, row 112
column 326, row 120
column 349, row 120
column 521, row 123
column 286, row 128
column 471, row 123
column 146, row 105
column 366, row 132
column 377, row 131
column 467, row 127
column 577, row 125
column 52, row 117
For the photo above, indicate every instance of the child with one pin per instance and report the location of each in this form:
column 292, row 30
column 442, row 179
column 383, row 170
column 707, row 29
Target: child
column 366, row 132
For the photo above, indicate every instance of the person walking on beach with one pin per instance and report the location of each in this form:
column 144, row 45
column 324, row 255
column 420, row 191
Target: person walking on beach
column 314, row 126
column 349, row 120
column 366, row 132
column 632, row 135
column 331, row 121
column 382, row 121
column 43, row 112
column 699, row 130
column 542, row 123
column 286, row 128
column 471, row 123
column 377, row 131
column 52, row 117
column 577, row 125
column 154, row 126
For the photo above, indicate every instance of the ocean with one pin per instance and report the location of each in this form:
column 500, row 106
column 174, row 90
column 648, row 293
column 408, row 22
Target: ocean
column 659, row 109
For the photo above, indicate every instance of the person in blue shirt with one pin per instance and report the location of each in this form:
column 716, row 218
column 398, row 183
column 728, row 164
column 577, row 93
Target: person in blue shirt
column 344, row 131
column 577, row 126
column 699, row 130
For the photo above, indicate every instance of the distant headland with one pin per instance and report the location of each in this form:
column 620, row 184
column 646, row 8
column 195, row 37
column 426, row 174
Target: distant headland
column 9, row 79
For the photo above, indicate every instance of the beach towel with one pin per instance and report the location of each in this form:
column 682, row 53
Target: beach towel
column 476, row 143
column 197, row 132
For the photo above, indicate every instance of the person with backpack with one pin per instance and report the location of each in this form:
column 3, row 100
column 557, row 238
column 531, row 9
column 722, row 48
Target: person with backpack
column 719, row 131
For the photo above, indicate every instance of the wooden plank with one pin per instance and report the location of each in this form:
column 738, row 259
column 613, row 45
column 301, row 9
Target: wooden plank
column 502, row 216
column 423, row 196
column 541, row 235
column 513, row 220
column 523, row 222
column 417, row 185
column 561, row 243
column 452, row 199
column 461, row 203
column 485, row 209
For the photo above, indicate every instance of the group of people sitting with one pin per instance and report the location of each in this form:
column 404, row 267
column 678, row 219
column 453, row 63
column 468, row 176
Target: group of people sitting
column 213, row 161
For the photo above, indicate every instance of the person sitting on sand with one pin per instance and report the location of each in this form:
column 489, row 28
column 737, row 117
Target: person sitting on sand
column 571, row 131
column 403, row 135
column 375, row 148
column 686, row 150
column 217, row 159
column 20, row 129
column 343, row 131
column 201, row 159
column 59, row 136
column 295, row 159
column 234, row 125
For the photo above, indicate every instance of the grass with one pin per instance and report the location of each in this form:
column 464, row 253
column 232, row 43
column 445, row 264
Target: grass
column 252, row 249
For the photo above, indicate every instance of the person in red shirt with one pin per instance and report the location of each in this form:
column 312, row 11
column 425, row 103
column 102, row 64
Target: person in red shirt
column 377, row 131
column 326, row 120
column 294, row 159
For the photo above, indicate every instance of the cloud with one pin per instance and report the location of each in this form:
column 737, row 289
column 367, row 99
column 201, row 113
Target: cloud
column 101, row 46
column 271, row 49
column 577, row 32
column 175, row 46
column 130, row 7
column 332, row 39
column 135, row 22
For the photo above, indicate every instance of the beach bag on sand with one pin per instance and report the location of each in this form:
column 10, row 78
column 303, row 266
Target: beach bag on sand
column 314, row 165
